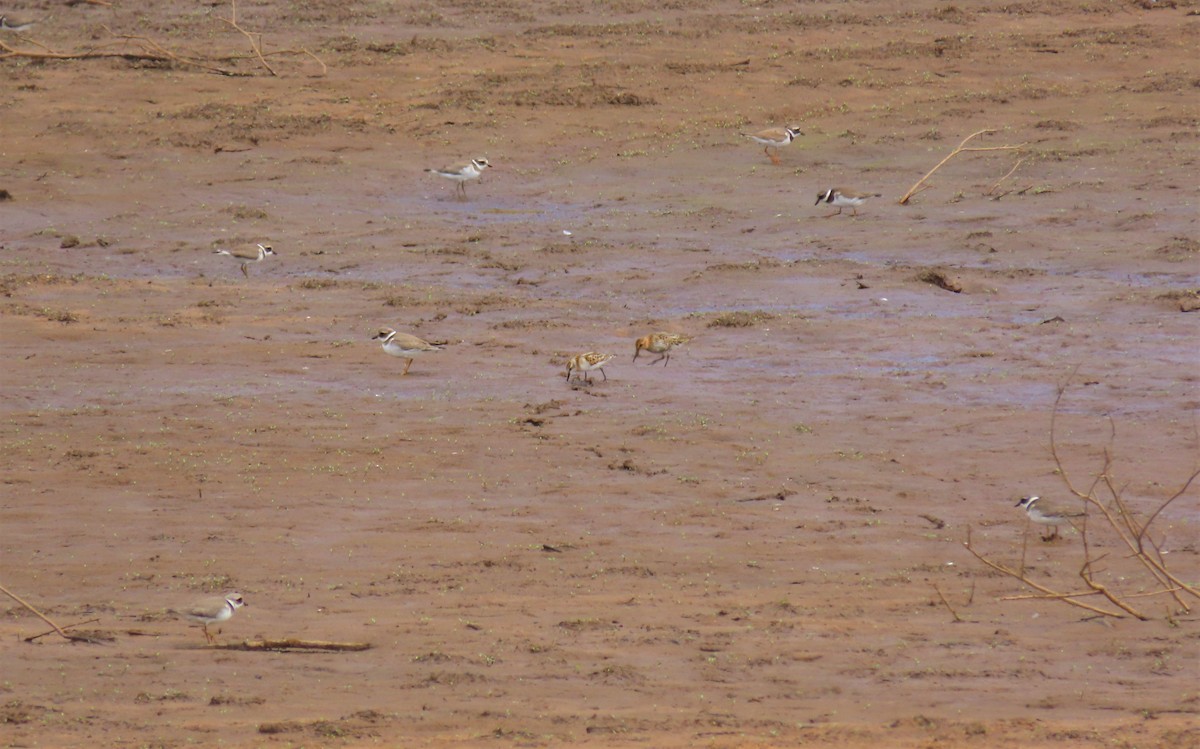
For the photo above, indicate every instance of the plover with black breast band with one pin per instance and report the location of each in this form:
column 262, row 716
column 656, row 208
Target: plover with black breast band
column 774, row 137
column 245, row 257
column 842, row 197
column 461, row 173
column 404, row 346
column 213, row 610
column 1044, row 512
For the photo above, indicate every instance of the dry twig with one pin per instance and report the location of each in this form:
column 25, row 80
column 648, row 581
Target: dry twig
column 946, row 603
column 1020, row 161
column 46, row 619
column 962, row 148
column 150, row 51
column 255, row 39
column 64, row 627
column 290, row 644
column 1048, row 593
column 146, row 49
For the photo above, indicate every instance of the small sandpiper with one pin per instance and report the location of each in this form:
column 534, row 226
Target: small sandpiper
column 659, row 343
column 588, row 362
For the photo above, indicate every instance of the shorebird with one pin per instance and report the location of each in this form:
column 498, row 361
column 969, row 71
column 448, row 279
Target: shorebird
column 841, row 197
column 403, row 345
column 659, row 343
column 1043, row 512
column 254, row 255
column 460, row 173
column 588, row 362
column 774, row 137
column 208, row 611
column 8, row 23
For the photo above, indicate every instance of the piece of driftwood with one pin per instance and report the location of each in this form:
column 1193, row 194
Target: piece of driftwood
column 780, row 496
column 291, row 644
column 65, row 635
column 148, row 51
column 135, row 48
column 64, row 628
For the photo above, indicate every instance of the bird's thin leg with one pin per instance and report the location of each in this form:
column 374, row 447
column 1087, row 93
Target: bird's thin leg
column 605, row 376
column 407, row 364
column 245, row 272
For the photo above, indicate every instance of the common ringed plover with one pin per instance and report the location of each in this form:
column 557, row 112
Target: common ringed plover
column 460, row 173
column 588, row 362
column 774, row 137
column 8, row 23
column 403, row 345
column 255, row 254
column 659, row 343
column 1045, row 513
column 841, row 197
column 208, row 611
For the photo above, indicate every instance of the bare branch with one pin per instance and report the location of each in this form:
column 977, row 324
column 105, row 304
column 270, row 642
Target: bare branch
column 46, row 619
column 1007, row 174
column 946, row 603
column 145, row 49
column 255, row 39
column 962, row 148
column 1065, row 597
column 1163, row 506
column 291, row 644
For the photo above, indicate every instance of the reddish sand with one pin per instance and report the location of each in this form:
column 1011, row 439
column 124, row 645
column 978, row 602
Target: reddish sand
column 742, row 549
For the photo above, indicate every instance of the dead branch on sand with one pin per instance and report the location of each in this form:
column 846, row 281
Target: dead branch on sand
column 39, row 636
column 136, row 48
column 147, row 50
column 46, row 619
column 1107, row 512
column 946, row 603
column 962, row 148
column 255, row 39
column 1009, row 173
column 290, row 644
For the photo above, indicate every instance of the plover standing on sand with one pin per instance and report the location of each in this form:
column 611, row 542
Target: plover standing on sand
column 208, row 611
column 460, row 173
column 404, row 346
column 1043, row 512
column 774, row 137
column 842, row 197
